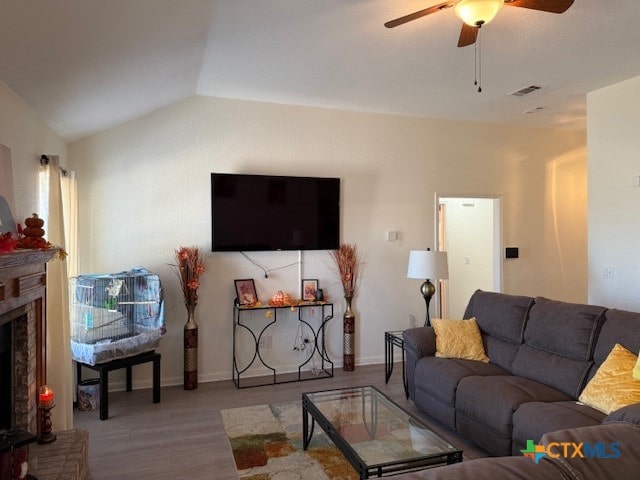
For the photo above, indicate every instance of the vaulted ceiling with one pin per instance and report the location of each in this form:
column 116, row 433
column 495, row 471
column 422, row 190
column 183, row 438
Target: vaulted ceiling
column 85, row 66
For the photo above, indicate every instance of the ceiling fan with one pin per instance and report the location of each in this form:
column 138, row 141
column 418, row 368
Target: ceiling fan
column 475, row 13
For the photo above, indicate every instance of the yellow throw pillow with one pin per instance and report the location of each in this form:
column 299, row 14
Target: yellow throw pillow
column 636, row 369
column 459, row 339
column 613, row 385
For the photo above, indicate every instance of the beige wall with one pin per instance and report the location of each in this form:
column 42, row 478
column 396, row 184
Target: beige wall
column 144, row 189
column 28, row 138
column 614, row 201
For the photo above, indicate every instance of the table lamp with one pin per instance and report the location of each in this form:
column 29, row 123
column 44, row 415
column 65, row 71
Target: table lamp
column 427, row 264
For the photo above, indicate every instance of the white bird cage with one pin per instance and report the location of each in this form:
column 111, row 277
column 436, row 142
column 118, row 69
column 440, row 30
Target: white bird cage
column 115, row 315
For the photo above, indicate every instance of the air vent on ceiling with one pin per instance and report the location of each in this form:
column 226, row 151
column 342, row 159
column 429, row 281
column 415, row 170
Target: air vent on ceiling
column 525, row 91
column 534, row 109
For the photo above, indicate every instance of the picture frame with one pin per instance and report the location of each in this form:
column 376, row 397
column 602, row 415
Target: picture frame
column 309, row 289
column 246, row 291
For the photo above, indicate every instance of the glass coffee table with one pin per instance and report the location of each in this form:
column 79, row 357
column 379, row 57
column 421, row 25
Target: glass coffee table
column 375, row 435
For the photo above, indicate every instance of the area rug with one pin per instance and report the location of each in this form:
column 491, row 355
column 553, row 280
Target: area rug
column 266, row 441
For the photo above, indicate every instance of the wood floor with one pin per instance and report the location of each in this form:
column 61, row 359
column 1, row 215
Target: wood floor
column 182, row 437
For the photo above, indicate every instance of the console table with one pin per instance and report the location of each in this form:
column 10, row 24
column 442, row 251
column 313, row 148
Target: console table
column 259, row 329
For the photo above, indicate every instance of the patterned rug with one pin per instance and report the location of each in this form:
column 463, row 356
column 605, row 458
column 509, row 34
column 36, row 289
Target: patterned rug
column 266, row 441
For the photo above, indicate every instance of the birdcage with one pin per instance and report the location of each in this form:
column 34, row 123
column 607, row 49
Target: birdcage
column 115, row 316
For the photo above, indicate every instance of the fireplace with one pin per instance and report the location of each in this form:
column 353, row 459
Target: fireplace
column 6, row 376
column 22, row 353
column 18, row 343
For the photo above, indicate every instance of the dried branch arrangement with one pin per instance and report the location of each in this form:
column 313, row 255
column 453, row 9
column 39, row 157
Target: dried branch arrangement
column 349, row 264
column 190, row 266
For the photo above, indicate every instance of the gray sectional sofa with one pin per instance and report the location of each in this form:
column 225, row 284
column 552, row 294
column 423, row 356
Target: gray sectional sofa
column 625, row 467
column 542, row 353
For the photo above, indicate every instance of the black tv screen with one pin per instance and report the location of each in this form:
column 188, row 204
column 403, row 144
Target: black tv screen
column 263, row 213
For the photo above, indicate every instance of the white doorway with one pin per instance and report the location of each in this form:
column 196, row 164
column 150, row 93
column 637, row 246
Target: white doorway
column 469, row 229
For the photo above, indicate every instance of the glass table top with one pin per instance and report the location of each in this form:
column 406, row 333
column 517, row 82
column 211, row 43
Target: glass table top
column 379, row 431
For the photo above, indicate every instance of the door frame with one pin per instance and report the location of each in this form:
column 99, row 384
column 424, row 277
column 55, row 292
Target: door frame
column 498, row 270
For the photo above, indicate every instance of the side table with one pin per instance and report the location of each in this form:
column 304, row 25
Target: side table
column 127, row 362
column 394, row 339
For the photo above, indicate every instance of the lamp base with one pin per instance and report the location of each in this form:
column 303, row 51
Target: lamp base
column 427, row 289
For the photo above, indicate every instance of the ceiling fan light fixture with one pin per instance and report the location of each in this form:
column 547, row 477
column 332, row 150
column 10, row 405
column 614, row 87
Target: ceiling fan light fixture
column 478, row 12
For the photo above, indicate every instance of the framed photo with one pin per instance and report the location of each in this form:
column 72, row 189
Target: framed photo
column 309, row 289
column 246, row 291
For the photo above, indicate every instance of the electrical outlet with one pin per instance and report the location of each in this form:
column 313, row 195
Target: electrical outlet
column 305, row 342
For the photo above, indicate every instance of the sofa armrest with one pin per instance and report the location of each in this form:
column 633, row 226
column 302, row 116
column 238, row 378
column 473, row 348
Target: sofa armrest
column 616, row 445
column 420, row 341
column 628, row 414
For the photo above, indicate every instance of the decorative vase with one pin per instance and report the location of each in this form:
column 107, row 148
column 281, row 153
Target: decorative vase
column 349, row 337
column 190, row 350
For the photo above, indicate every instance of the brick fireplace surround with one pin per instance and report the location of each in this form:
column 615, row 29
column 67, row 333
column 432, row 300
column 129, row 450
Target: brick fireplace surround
column 22, row 302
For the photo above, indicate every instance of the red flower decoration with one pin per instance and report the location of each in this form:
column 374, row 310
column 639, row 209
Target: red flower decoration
column 7, row 243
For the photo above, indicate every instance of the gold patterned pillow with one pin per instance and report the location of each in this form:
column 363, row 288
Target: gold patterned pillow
column 459, row 339
column 613, row 385
column 636, row 369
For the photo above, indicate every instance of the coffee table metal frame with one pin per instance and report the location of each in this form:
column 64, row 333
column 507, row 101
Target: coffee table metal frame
column 401, row 465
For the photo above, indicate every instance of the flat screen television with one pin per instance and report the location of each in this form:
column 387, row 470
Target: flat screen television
column 265, row 213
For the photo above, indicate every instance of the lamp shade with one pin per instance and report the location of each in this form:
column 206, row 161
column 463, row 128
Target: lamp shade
column 427, row 264
column 478, row 12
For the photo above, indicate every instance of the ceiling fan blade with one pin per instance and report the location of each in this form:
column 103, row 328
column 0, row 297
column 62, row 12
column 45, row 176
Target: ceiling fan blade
column 553, row 6
column 468, row 35
column 420, row 14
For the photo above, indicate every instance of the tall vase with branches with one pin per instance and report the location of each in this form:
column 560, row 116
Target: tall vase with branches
column 189, row 266
column 348, row 262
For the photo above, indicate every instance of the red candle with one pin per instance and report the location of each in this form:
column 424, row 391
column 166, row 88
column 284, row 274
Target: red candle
column 46, row 396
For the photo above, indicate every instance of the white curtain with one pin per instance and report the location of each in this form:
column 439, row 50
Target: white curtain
column 59, row 367
column 70, row 211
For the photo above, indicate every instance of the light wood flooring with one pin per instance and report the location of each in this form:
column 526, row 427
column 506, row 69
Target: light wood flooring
column 182, row 437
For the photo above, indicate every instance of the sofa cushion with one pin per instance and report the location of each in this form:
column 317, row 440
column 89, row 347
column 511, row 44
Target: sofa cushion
column 533, row 419
column 491, row 401
column 501, row 318
column 613, row 385
column 436, row 380
column 440, row 376
column 619, row 327
column 564, row 374
column 459, row 339
column 559, row 340
column 566, row 329
column 499, row 315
